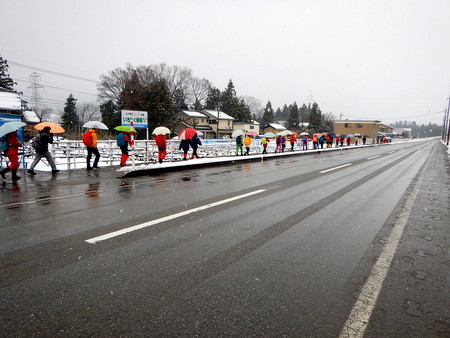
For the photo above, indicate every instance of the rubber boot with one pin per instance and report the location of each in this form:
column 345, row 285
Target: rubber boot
column 184, row 157
column 3, row 172
column 123, row 160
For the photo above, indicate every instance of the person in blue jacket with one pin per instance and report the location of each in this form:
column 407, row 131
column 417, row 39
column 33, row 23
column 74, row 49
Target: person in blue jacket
column 195, row 142
column 184, row 144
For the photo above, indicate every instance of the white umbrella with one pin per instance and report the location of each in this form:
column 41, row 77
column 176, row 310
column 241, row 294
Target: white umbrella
column 9, row 127
column 237, row 133
column 161, row 131
column 95, row 125
column 284, row 133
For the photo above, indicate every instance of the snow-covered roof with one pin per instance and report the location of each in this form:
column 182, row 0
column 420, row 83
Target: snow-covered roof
column 30, row 116
column 193, row 113
column 277, row 126
column 10, row 101
column 222, row 115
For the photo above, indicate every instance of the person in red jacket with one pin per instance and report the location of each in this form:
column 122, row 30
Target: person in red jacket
column 13, row 155
column 161, row 143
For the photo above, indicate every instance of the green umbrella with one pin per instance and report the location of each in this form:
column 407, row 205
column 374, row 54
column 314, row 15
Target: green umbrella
column 126, row 129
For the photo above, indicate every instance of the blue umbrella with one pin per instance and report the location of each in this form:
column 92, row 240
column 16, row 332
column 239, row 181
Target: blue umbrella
column 9, row 127
column 350, row 135
column 332, row 135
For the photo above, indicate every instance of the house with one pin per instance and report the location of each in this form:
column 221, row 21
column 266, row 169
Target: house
column 247, row 126
column 402, row 132
column 384, row 129
column 368, row 128
column 31, row 119
column 273, row 128
column 196, row 120
column 10, row 103
column 221, row 123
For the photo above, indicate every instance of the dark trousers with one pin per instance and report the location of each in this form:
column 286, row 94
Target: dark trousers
column 92, row 150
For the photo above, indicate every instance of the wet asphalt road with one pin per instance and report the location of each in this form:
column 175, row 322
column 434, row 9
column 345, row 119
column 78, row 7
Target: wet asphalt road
column 286, row 261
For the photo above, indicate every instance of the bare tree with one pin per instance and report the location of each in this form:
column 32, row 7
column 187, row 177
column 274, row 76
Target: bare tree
column 111, row 86
column 199, row 90
column 254, row 104
column 43, row 112
column 88, row 112
column 178, row 80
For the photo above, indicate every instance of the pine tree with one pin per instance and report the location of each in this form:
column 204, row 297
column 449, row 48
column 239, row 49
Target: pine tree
column 293, row 119
column 268, row 114
column 6, row 82
column 213, row 99
column 315, row 118
column 229, row 102
column 69, row 118
column 110, row 114
column 243, row 114
column 304, row 115
column 158, row 104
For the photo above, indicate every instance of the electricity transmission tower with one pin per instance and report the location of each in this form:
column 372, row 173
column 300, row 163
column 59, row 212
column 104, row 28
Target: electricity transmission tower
column 36, row 99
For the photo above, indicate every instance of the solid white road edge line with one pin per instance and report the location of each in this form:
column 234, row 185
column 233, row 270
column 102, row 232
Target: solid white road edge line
column 362, row 310
column 371, row 158
column 167, row 218
column 341, row 166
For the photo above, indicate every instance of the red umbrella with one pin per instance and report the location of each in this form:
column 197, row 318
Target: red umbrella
column 187, row 133
column 251, row 133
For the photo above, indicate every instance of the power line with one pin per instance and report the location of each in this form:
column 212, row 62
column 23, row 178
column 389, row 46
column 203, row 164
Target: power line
column 51, row 72
column 60, row 88
column 391, row 118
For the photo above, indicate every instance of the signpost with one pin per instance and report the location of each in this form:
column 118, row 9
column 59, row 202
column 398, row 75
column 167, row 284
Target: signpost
column 137, row 119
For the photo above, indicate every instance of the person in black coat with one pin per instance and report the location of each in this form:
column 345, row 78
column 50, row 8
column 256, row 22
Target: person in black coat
column 184, row 144
column 195, row 142
column 43, row 140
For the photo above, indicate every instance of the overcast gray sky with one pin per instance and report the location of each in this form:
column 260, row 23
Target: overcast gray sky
column 385, row 59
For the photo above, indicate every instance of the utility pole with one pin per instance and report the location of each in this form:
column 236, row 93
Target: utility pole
column 448, row 121
column 444, row 125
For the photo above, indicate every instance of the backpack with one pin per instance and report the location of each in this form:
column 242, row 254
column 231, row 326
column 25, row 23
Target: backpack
column 121, row 140
column 239, row 140
column 36, row 142
column 4, row 144
column 87, row 139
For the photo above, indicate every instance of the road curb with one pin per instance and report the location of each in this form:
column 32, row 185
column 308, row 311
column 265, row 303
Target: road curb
column 221, row 161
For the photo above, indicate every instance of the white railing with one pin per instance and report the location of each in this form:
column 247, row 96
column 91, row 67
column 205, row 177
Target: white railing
column 72, row 154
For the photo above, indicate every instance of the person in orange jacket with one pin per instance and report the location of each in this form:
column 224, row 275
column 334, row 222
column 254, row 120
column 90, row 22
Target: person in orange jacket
column 315, row 142
column 247, row 143
column 90, row 141
column 292, row 139
column 13, row 155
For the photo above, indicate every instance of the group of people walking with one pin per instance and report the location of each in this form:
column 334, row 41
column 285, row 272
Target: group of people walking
column 41, row 143
column 185, row 144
